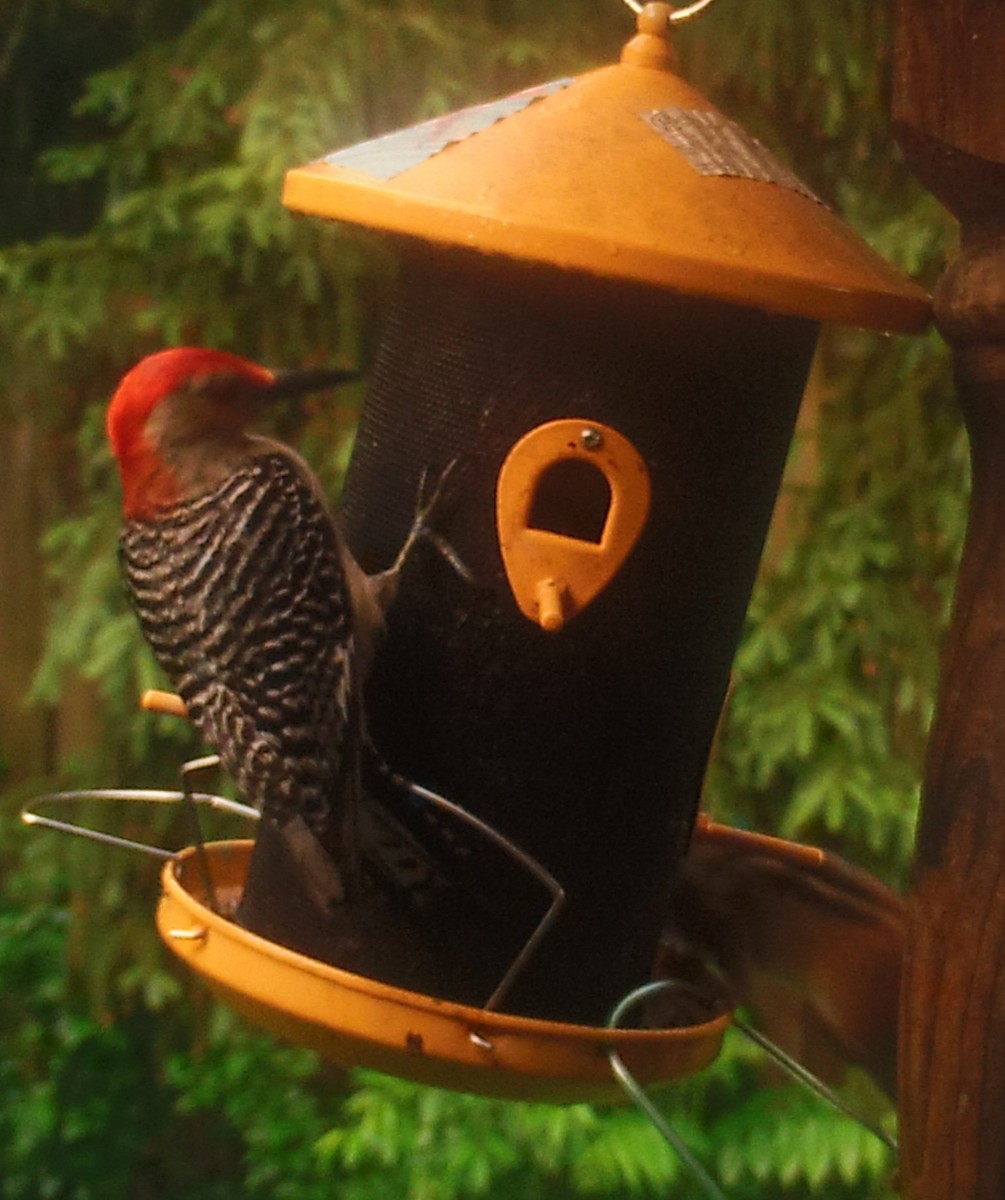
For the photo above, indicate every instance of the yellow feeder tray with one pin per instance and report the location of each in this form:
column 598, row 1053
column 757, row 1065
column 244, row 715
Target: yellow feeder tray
column 625, row 172
column 357, row 1021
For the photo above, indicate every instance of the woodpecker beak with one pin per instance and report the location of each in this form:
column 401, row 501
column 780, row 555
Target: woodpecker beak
column 298, row 383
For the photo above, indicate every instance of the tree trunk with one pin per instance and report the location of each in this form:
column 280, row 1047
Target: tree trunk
column 24, row 733
column 949, row 108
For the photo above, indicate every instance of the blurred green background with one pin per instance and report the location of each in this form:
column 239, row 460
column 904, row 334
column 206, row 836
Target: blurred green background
column 141, row 157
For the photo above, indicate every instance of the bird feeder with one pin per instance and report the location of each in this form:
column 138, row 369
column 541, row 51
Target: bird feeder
column 608, row 303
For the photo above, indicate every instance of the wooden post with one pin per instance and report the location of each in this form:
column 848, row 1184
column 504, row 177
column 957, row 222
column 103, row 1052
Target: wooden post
column 949, row 108
column 24, row 733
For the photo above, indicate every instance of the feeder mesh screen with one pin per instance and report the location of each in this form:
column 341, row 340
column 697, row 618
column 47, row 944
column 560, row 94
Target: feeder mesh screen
column 586, row 747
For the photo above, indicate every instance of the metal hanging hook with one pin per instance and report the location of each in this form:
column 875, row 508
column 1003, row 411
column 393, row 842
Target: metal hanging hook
column 679, row 15
column 806, row 1077
column 641, row 1100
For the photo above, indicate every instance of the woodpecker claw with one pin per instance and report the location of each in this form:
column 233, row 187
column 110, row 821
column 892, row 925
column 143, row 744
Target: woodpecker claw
column 451, row 555
column 421, row 527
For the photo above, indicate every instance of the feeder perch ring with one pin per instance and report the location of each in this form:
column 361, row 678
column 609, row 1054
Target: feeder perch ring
column 357, row 1021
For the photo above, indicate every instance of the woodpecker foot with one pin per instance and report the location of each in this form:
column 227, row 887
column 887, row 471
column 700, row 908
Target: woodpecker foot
column 422, row 527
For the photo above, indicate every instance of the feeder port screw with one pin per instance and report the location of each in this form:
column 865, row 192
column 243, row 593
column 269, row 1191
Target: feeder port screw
column 591, row 439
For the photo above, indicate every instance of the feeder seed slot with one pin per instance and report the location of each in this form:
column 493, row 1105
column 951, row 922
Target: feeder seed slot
column 573, row 498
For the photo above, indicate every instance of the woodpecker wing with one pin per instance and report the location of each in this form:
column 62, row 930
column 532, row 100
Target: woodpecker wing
column 241, row 593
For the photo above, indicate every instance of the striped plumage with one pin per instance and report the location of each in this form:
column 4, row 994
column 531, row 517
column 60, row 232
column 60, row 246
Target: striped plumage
column 266, row 625
column 241, row 593
column 251, row 602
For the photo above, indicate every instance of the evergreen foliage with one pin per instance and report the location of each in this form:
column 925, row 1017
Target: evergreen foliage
column 148, row 215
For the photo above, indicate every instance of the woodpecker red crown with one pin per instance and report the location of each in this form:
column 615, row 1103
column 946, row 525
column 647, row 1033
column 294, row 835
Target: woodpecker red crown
column 158, row 376
column 146, row 481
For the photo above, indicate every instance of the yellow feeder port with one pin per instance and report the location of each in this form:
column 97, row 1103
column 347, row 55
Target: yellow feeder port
column 627, row 173
column 557, row 569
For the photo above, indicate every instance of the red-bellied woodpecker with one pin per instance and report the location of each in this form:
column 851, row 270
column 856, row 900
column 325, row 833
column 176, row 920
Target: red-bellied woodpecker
column 247, row 593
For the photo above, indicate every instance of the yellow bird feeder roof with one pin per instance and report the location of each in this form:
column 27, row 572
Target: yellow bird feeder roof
column 624, row 173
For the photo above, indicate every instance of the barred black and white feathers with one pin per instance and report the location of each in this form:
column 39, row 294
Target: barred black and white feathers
column 262, row 620
column 242, row 595
column 266, row 625
column 246, row 594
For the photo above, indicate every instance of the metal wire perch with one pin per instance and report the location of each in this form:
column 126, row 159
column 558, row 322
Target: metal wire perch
column 31, row 816
column 530, row 864
column 193, row 800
